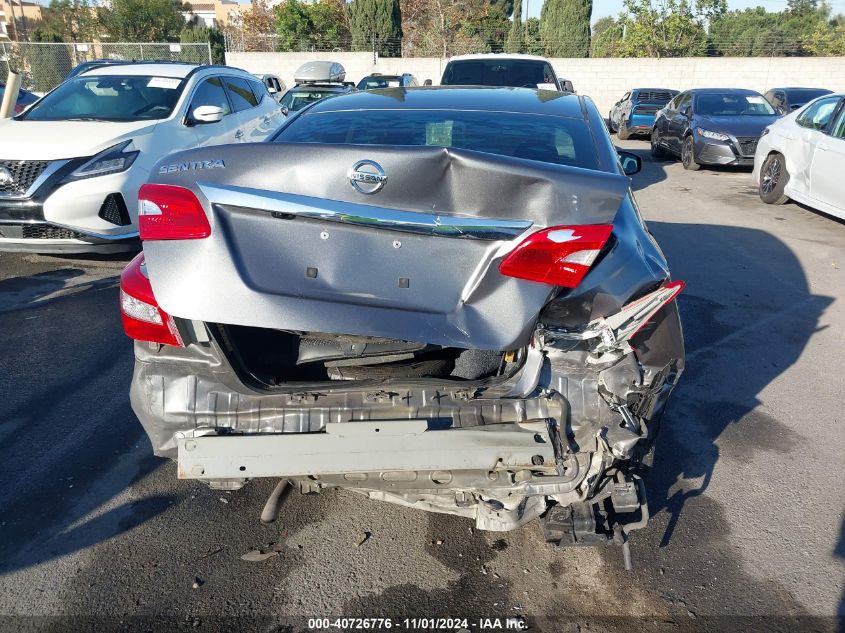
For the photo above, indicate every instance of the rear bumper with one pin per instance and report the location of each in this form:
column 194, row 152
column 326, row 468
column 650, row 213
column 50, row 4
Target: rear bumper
column 364, row 447
column 640, row 123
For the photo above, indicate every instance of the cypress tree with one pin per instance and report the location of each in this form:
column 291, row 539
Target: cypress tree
column 379, row 19
column 565, row 27
column 515, row 36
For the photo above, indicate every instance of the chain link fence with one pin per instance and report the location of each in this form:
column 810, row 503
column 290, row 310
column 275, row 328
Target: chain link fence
column 44, row 65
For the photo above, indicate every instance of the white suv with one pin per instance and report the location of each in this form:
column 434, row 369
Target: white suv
column 71, row 165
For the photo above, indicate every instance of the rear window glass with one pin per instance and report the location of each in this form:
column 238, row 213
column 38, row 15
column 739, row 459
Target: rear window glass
column 558, row 140
column 297, row 99
column 505, row 72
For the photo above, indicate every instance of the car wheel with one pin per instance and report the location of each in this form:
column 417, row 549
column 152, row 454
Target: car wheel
column 773, row 179
column 688, row 155
column 623, row 132
column 656, row 150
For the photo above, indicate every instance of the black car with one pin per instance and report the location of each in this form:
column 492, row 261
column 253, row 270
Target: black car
column 712, row 126
column 505, row 70
column 444, row 298
column 785, row 100
column 376, row 80
column 25, row 98
column 315, row 81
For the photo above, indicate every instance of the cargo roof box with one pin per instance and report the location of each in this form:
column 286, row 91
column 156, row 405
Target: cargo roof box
column 319, row 72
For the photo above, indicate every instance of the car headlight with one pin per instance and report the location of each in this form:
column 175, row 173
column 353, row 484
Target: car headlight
column 111, row 161
column 716, row 136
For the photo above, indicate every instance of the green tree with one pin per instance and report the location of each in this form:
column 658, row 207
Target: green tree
column 376, row 24
column 516, row 35
column 142, row 20
column 667, row 28
column 330, row 24
column 827, row 40
column 69, row 21
column 293, row 25
column 607, row 38
column 533, row 45
column 200, row 35
column 565, row 27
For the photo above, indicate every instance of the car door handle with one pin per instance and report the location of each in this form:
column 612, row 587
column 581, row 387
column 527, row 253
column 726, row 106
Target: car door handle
column 239, row 134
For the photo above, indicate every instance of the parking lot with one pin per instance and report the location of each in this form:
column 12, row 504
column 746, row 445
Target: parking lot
column 747, row 494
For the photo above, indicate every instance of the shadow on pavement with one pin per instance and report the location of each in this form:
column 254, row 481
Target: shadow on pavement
column 69, row 442
column 745, row 322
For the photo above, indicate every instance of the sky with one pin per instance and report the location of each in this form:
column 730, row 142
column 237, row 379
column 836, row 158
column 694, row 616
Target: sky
column 602, row 8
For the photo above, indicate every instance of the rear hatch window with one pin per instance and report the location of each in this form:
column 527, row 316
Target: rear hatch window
column 515, row 73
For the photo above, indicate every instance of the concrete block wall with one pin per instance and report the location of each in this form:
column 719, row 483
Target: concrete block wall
column 605, row 80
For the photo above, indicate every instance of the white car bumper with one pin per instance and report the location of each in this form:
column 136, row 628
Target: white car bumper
column 93, row 214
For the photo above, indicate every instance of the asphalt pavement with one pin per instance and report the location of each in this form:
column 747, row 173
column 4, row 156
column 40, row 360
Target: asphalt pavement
column 747, row 492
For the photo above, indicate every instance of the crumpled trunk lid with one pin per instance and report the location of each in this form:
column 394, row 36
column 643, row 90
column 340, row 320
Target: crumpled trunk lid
column 295, row 246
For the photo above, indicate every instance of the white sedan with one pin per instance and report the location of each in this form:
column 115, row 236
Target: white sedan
column 71, row 165
column 802, row 157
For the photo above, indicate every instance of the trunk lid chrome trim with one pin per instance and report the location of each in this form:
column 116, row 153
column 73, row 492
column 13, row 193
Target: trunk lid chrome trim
column 297, row 206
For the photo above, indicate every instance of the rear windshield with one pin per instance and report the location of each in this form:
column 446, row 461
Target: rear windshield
column 805, row 96
column 515, row 73
column 551, row 139
column 371, row 83
column 732, row 105
column 109, row 98
column 297, row 99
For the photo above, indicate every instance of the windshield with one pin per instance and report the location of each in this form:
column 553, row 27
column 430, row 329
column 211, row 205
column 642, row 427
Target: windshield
column 729, row 104
column 297, row 99
column 109, row 98
column 551, row 139
column 371, row 83
column 500, row 72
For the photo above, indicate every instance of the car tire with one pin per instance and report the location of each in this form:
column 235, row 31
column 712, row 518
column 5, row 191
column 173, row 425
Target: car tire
column 623, row 132
column 656, row 150
column 773, row 179
column 688, row 154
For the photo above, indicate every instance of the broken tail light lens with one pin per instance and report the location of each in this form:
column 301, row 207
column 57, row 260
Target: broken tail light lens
column 167, row 212
column 559, row 256
column 143, row 320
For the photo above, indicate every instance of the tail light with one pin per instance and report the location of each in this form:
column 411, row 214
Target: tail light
column 143, row 320
column 18, row 108
column 167, row 212
column 559, row 256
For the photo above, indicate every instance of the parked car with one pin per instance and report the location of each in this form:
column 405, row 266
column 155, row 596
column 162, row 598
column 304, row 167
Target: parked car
column 25, row 98
column 502, row 69
column 635, row 112
column 802, row 157
column 275, row 86
column 712, row 126
column 565, row 85
column 785, row 100
column 315, row 81
column 71, row 165
column 377, row 80
column 497, row 344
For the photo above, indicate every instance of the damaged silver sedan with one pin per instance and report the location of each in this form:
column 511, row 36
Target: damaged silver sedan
column 443, row 298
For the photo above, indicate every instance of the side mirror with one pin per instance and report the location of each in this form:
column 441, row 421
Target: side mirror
column 207, row 114
column 631, row 163
column 685, row 110
column 781, row 110
column 427, row 82
column 285, row 110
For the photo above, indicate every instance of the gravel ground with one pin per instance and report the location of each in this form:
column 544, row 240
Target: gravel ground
column 747, row 493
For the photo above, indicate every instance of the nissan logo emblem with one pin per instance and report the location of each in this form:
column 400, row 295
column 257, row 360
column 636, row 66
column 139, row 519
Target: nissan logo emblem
column 367, row 176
